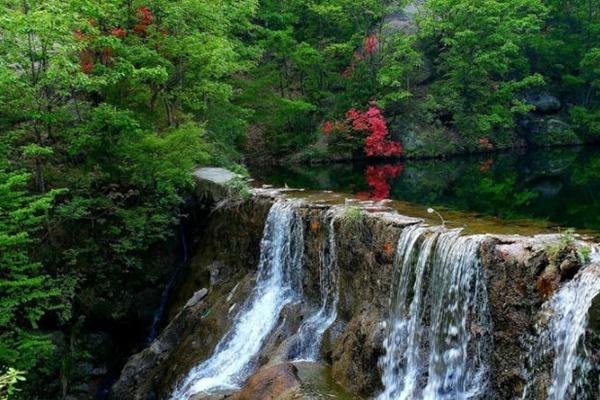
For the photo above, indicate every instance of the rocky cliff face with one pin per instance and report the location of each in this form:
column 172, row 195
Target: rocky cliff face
column 520, row 273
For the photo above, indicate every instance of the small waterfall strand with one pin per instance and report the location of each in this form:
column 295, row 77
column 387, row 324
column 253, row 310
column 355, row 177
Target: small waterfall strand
column 310, row 333
column 457, row 365
column 439, row 325
column 278, row 284
column 561, row 336
column 401, row 362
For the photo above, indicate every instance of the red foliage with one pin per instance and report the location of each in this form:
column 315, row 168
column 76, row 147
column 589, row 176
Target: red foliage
column 144, row 15
column 80, row 35
column 378, row 178
column 486, row 144
column 370, row 44
column 330, row 127
column 356, row 58
column 118, row 32
column 106, row 56
column 373, row 123
column 347, row 73
column 140, row 29
column 86, row 62
column 145, row 19
column 486, row 165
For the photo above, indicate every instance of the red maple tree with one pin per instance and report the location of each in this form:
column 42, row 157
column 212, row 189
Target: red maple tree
column 374, row 125
column 118, row 32
column 145, row 19
column 370, row 44
column 86, row 62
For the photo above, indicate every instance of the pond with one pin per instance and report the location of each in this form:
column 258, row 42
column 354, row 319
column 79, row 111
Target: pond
column 559, row 186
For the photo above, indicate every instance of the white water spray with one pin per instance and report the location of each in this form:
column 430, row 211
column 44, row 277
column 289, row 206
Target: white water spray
column 439, row 321
column 278, row 284
column 562, row 334
column 310, row 333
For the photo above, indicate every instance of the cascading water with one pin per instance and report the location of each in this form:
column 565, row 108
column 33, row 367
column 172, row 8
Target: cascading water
column 308, row 339
column 164, row 298
column 562, row 335
column 401, row 363
column 278, row 284
column 439, row 325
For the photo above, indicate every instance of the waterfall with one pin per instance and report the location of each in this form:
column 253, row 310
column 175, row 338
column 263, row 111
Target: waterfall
column 278, row 283
column 164, row 297
column 308, row 338
column 439, row 323
column 561, row 335
column 595, row 254
column 404, row 337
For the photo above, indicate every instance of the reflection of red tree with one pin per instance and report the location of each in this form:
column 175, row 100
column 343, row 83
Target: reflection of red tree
column 378, row 178
column 485, row 166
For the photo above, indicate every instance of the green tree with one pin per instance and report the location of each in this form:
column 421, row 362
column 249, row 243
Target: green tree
column 477, row 48
column 27, row 292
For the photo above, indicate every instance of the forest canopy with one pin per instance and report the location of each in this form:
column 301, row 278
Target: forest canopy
column 106, row 107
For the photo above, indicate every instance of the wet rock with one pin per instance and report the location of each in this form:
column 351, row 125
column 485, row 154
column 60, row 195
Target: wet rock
column 189, row 338
column 270, row 383
column 218, row 272
column 356, row 353
column 548, row 281
column 543, row 103
column 546, row 131
column 570, row 265
column 511, row 267
column 199, row 295
column 518, row 271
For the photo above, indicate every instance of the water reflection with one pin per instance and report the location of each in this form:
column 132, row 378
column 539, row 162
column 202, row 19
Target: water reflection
column 379, row 178
column 557, row 185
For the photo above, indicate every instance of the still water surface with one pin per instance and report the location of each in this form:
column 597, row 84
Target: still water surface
column 558, row 186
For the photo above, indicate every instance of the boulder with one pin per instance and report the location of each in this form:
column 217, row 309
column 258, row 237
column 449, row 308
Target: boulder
column 402, row 20
column 356, row 353
column 546, row 131
column 398, row 22
column 543, row 103
column 270, row 383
